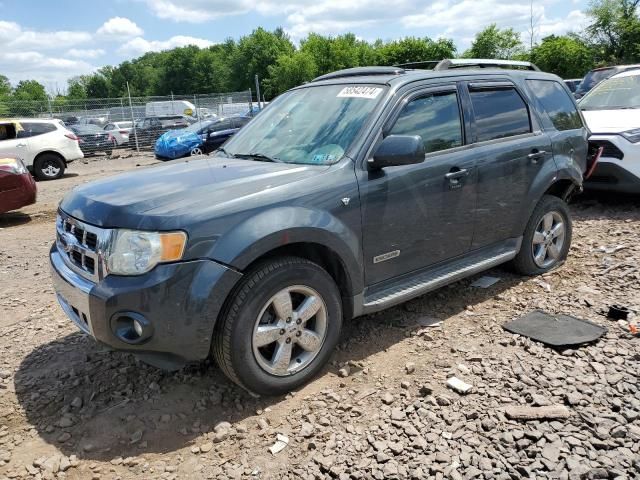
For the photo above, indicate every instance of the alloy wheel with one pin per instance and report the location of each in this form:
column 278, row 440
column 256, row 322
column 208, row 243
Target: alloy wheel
column 290, row 330
column 548, row 239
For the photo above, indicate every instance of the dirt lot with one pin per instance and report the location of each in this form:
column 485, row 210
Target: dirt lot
column 381, row 409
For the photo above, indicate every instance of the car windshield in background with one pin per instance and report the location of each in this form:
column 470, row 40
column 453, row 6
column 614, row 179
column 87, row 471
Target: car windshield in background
column 614, row 93
column 86, row 129
column 313, row 125
column 201, row 125
column 593, row 78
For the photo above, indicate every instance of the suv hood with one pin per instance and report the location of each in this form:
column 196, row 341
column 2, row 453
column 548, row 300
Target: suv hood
column 178, row 194
column 612, row 121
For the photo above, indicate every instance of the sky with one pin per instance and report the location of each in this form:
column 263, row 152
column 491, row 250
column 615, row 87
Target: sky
column 54, row 40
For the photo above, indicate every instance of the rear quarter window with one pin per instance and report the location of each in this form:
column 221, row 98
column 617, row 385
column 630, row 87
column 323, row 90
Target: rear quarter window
column 33, row 129
column 557, row 104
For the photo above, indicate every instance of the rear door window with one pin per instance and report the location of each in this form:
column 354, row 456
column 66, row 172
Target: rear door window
column 32, row 129
column 557, row 104
column 499, row 112
column 435, row 117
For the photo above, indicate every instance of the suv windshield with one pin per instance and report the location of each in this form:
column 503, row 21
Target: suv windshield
column 313, row 125
column 614, row 93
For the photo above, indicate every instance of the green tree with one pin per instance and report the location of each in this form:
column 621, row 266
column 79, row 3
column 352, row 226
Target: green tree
column 5, row 86
column 566, row 56
column 290, row 71
column 76, row 88
column 29, row 90
column 412, row 49
column 255, row 53
column 493, row 42
column 614, row 30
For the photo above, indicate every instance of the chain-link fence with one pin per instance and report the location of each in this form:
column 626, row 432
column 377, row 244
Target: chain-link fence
column 104, row 124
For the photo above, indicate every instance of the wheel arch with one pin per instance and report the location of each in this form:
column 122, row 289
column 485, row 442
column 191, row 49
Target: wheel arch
column 49, row 152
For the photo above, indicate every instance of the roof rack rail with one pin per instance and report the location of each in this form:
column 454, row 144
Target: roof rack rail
column 448, row 64
column 360, row 72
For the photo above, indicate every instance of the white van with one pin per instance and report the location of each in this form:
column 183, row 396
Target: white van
column 170, row 107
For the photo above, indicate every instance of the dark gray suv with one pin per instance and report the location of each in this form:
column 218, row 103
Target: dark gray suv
column 347, row 195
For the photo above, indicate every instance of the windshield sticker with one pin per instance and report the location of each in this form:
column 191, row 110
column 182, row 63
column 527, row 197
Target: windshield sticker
column 360, row 92
column 323, row 158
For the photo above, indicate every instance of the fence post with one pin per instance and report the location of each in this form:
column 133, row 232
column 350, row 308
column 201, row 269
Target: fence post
column 258, row 91
column 250, row 103
column 195, row 103
column 135, row 131
column 50, row 111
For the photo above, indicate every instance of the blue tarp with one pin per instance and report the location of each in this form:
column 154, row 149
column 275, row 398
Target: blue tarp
column 177, row 143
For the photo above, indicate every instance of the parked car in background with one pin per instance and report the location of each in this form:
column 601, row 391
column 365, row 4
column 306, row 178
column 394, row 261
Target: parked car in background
column 612, row 113
column 17, row 188
column 46, row 147
column 597, row 75
column 573, row 84
column 197, row 139
column 98, row 121
column 150, row 128
column 120, row 131
column 353, row 193
column 93, row 139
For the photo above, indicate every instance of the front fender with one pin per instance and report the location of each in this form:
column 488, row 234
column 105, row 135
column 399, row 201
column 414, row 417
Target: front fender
column 281, row 226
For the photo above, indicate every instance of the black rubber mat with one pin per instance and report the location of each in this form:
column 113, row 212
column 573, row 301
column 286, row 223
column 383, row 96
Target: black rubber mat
column 555, row 330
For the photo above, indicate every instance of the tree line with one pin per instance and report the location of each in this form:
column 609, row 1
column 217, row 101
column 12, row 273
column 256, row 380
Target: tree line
column 612, row 36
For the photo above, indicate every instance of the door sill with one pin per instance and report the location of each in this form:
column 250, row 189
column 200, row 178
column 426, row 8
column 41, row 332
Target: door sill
column 404, row 288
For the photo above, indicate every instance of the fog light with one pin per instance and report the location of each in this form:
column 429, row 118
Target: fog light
column 131, row 327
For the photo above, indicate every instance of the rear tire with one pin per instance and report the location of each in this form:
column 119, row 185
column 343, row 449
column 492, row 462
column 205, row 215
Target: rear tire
column 279, row 327
column 48, row 166
column 547, row 238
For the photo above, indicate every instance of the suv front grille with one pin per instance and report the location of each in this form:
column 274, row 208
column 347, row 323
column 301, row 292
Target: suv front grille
column 81, row 245
column 610, row 150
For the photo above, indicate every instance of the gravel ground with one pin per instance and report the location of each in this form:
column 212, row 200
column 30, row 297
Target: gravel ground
column 381, row 409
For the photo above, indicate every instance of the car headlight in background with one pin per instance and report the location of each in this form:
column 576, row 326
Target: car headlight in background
column 632, row 135
column 12, row 165
column 136, row 252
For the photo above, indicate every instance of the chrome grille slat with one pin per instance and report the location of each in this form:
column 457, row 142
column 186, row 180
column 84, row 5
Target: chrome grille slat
column 82, row 246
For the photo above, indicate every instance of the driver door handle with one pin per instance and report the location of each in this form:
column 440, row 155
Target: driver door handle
column 457, row 174
column 21, row 145
column 536, row 155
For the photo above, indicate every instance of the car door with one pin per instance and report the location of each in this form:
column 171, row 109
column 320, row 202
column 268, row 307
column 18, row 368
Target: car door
column 414, row 216
column 511, row 150
column 14, row 145
column 561, row 121
column 219, row 132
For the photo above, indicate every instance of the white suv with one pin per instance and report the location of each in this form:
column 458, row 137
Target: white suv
column 612, row 113
column 44, row 146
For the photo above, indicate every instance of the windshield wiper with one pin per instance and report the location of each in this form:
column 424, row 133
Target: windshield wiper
column 230, row 155
column 261, row 157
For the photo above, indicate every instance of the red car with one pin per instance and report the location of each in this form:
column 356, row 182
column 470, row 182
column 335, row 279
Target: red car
column 17, row 187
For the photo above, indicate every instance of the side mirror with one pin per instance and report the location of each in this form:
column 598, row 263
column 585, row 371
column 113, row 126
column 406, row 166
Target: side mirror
column 396, row 150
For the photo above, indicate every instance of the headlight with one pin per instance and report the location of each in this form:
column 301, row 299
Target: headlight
column 12, row 165
column 134, row 252
column 632, row 135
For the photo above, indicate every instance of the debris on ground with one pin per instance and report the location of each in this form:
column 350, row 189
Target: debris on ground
column 458, row 385
column 281, row 443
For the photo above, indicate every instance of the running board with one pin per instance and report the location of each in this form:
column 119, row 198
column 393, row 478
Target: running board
column 437, row 277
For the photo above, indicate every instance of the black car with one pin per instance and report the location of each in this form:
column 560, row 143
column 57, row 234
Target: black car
column 93, row 139
column 149, row 129
column 350, row 194
column 597, row 75
column 222, row 130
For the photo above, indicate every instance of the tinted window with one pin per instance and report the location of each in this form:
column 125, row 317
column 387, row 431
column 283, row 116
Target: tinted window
column 240, row 122
column 557, row 103
column 499, row 113
column 594, row 77
column 34, row 129
column 436, row 118
column 221, row 125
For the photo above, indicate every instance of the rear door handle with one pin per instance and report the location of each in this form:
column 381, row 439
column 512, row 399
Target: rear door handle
column 457, row 174
column 21, row 145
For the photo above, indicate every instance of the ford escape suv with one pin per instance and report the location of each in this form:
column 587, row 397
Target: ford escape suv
column 352, row 193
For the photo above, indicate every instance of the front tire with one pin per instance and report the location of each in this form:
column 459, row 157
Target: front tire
column 48, row 167
column 547, row 238
column 280, row 326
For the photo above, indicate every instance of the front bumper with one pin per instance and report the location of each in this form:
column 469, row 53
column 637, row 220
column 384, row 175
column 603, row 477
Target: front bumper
column 618, row 169
column 181, row 302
